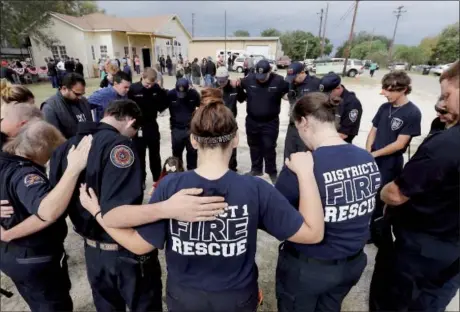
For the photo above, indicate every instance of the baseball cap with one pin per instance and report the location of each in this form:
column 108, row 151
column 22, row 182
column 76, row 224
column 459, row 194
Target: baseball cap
column 262, row 69
column 222, row 74
column 293, row 70
column 182, row 87
column 329, row 82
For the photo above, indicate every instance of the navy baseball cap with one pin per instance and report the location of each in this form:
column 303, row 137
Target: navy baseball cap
column 329, row 82
column 182, row 87
column 293, row 70
column 263, row 69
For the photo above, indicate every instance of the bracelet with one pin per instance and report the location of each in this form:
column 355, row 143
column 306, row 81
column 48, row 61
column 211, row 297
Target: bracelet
column 97, row 213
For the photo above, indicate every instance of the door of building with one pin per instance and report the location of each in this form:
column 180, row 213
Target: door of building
column 146, row 57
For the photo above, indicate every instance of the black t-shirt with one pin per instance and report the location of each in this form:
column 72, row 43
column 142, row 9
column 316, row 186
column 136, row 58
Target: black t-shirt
column 24, row 184
column 7, row 73
column 392, row 121
column 232, row 96
column 264, row 99
column 181, row 110
column 220, row 255
column 348, row 180
column 113, row 171
column 431, row 181
column 151, row 101
column 349, row 114
column 3, row 139
column 437, row 125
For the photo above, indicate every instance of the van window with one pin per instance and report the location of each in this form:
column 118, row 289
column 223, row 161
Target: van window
column 240, row 59
column 358, row 63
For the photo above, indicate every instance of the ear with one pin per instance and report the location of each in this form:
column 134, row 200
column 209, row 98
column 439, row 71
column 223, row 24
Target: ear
column 194, row 142
column 235, row 140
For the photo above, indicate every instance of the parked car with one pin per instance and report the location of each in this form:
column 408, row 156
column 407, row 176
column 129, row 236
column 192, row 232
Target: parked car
column 283, row 62
column 273, row 65
column 438, row 70
column 324, row 66
column 238, row 64
column 398, row 66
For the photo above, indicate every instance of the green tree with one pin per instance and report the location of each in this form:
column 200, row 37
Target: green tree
column 428, row 45
column 295, row 44
column 380, row 57
column 270, row 32
column 447, row 48
column 362, row 37
column 22, row 19
column 363, row 49
column 410, row 54
column 241, row 33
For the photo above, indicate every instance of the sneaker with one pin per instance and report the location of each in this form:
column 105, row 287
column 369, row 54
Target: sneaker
column 254, row 173
column 273, row 178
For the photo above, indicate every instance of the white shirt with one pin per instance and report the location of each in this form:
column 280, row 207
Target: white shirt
column 60, row 65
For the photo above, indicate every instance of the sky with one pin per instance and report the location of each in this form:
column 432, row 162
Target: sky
column 423, row 18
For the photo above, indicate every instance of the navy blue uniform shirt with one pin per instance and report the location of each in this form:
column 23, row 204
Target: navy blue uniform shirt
column 431, row 181
column 349, row 114
column 264, row 99
column 24, row 184
column 296, row 91
column 113, row 171
column 348, row 180
column 151, row 101
column 232, row 96
column 392, row 121
column 181, row 110
column 220, row 255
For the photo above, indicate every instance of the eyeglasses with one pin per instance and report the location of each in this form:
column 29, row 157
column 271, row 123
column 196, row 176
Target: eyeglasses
column 440, row 110
column 77, row 94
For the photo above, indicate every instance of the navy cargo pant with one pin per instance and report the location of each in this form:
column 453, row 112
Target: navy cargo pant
column 41, row 276
column 422, row 274
column 150, row 139
column 186, row 299
column 262, row 138
column 293, row 143
column 180, row 139
column 119, row 278
column 305, row 284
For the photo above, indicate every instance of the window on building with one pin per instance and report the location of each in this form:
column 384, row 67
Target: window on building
column 134, row 50
column 62, row 52
column 103, row 50
column 55, row 52
column 175, row 42
column 126, row 51
column 92, row 52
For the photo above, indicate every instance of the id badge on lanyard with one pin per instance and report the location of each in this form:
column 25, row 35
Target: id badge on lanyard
column 139, row 133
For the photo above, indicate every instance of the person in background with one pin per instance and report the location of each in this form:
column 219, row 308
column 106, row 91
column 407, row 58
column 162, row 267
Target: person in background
column 249, row 66
column 61, row 70
column 372, row 68
column 444, row 119
column 230, row 61
column 79, row 68
column 100, row 65
column 69, row 66
column 137, row 64
column 210, row 73
column 174, row 61
column 421, row 272
column 68, row 107
column 181, row 58
column 180, row 70
column 127, row 69
column 188, row 72
column 110, row 70
column 101, row 98
column 169, row 65
column 172, row 165
column 195, row 72
column 162, row 64
column 52, row 73
column 6, row 72
column 204, row 62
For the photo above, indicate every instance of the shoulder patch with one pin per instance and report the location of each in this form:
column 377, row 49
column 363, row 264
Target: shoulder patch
column 32, row 179
column 353, row 115
column 122, row 156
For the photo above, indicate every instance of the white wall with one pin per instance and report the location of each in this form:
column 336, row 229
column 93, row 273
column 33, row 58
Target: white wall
column 95, row 40
column 173, row 28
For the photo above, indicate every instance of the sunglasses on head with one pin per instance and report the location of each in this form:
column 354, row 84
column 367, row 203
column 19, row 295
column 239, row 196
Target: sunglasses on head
column 440, row 110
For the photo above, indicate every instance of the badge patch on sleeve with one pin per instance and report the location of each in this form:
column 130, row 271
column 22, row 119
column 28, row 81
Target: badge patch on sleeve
column 32, row 179
column 122, row 156
column 353, row 115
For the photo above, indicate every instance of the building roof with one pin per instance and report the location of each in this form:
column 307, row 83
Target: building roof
column 101, row 22
column 235, row 38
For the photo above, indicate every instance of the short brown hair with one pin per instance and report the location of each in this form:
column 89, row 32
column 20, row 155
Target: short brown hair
column 111, row 68
column 213, row 124
column 36, row 141
column 452, row 73
column 318, row 105
column 14, row 93
column 150, row 74
column 397, row 81
column 209, row 95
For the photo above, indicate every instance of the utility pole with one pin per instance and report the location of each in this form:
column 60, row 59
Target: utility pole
column 398, row 12
column 306, row 49
column 323, row 41
column 372, row 38
column 225, row 53
column 320, row 22
column 193, row 25
column 350, row 38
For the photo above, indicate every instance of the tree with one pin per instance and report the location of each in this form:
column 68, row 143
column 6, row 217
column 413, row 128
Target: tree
column 21, row 19
column 295, row 43
column 410, row 54
column 270, row 32
column 362, row 37
column 447, row 48
column 241, row 33
column 363, row 49
column 380, row 57
column 428, row 45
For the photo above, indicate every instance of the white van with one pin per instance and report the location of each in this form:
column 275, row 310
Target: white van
column 354, row 66
column 238, row 53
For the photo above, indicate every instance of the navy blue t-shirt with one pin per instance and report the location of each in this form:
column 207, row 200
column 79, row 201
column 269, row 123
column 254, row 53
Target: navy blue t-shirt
column 181, row 110
column 348, row 180
column 219, row 255
column 392, row 121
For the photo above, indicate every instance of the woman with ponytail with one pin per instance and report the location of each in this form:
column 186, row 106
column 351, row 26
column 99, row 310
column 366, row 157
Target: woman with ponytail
column 211, row 264
column 318, row 277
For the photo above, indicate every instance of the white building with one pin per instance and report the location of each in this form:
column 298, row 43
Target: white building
column 97, row 35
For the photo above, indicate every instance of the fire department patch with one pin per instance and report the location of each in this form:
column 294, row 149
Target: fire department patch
column 396, row 123
column 122, row 156
column 32, row 179
column 261, row 70
column 353, row 115
column 321, row 88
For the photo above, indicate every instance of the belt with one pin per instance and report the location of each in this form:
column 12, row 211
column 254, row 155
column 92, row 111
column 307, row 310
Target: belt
column 101, row 246
column 296, row 254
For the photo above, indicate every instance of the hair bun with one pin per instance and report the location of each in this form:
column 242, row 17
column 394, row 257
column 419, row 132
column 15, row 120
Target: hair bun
column 211, row 96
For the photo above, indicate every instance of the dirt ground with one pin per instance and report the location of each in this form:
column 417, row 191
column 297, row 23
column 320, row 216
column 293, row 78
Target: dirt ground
column 426, row 90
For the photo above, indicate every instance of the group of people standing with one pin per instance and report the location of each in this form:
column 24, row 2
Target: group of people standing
column 58, row 68
column 207, row 218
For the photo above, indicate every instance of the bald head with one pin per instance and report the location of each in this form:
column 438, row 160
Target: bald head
column 17, row 115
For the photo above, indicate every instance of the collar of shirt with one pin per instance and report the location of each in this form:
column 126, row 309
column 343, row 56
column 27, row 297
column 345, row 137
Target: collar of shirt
column 15, row 158
column 90, row 127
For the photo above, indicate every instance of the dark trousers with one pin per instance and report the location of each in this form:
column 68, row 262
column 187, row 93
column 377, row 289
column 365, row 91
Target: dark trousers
column 54, row 81
column 120, row 278
column 186, row 299
column 293, row 143
column 420, row 273
column 308, row 285
column 180, row 139
column 42, row 278
column 233, row 163
column 150, row 139
column 170, row 71
column 262, row 138
column 137, row 68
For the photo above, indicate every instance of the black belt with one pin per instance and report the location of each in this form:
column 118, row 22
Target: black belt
column 296, row 254
column 114, row 247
